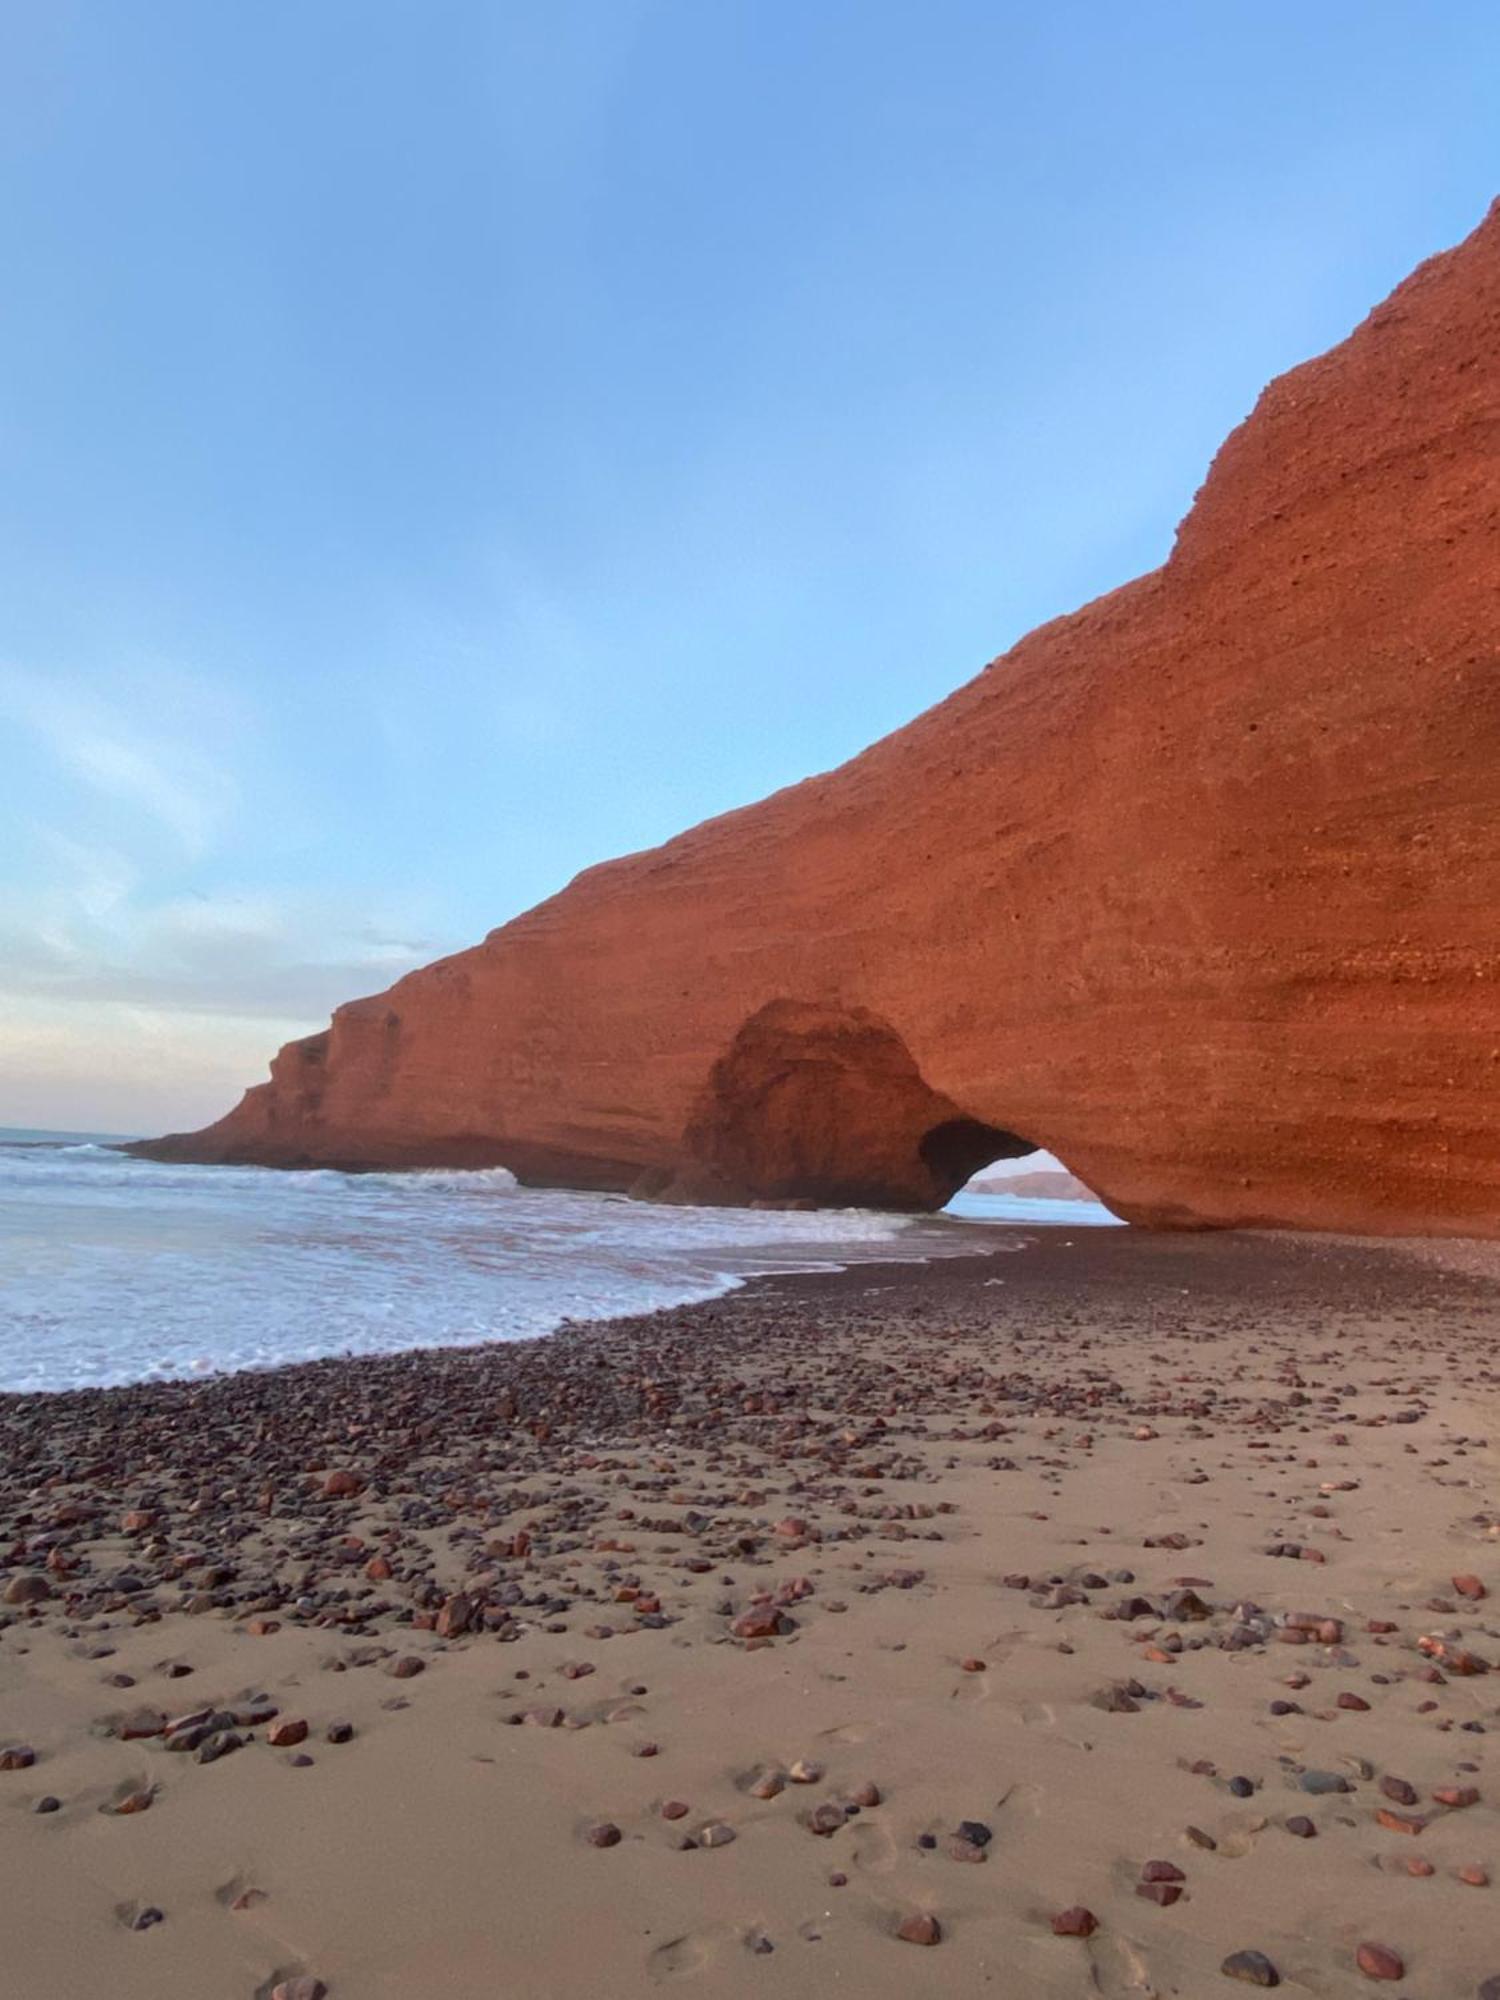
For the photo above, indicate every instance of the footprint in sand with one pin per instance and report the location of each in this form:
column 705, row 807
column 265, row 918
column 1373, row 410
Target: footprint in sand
column 680, row 1957
column 848, row 1732
column 873, row 1849
column 1118, row 1969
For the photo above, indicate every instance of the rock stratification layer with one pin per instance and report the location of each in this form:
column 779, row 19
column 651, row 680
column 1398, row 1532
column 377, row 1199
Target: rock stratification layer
column 1199, row 887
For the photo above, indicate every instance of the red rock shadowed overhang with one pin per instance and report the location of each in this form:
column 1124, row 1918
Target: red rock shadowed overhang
column 1199, row 887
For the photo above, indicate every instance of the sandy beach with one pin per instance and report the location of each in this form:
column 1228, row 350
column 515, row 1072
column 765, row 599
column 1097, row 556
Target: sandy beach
column 853, row 1633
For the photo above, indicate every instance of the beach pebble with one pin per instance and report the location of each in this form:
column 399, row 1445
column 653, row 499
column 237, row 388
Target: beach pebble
column 1075, row 1922
column 1162, row 1893
column 605, row 1834
column 1323, row 1782
column 339, row 1732
column 715, row 1834
column 48, row 1804
column 18, row 1757
column 1378, row 1961
column 1472, row 1873
column 768, row 1785
column 145, row 1919
column 958, row 1849
column 1253, row 1968
column 674, row 1809
column 804, row 1772
column 303, row 1987
column 406, row 1667
column 140, row 1723
column 919, row 1928
column 27, row 1590
column 286, row 1734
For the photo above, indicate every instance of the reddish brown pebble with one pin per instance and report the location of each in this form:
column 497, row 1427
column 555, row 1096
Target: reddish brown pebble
column 1456, row 1797
column 1415, row 1865
column 1378, row 1961
column 761, row 1621
column 674, row 1809
column 404, row 1668
column 1395, row 1822
column 865, row 1795
column 1470, row 1587
column 603, row 1835
column 919, row 1928
column 1161, row 1893
column 804, row 1773
column 1399, row 1791
column 343, row 1485
column 972, row 1666
column 285, row 1735
column 1356, row 1702
column 17, row 1758
column 768, row 1785
column 1474, row 1875
column 133, row 1802
column 1075, row 1922
column 303, row 1987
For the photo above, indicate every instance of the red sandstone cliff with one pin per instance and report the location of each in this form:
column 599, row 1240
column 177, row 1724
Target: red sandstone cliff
column 1199, row 887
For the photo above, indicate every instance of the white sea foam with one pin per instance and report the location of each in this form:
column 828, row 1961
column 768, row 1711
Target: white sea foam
column 117, row 1270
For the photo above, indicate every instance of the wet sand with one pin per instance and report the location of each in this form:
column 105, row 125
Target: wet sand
column 1143, row 1583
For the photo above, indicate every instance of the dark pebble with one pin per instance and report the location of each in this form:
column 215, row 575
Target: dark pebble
column 1253, row 1968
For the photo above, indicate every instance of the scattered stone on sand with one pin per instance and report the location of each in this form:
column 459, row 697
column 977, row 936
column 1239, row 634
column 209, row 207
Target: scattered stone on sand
column 1075, row 1922
column 1378, row 1961
column 605, row 1834
column 919, row 1928
column 1253, row 1968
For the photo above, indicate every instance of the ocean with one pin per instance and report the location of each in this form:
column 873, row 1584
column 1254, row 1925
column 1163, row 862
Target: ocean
column 117, row 1270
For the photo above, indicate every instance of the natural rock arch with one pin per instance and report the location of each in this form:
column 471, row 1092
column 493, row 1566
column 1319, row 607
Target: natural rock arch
column 1195, row 886
column 826, row 1104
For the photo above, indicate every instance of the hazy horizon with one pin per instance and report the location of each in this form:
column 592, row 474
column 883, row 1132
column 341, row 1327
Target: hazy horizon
column 447, row 451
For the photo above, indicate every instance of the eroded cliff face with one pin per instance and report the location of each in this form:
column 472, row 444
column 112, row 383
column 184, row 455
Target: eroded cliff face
column 1198, row 888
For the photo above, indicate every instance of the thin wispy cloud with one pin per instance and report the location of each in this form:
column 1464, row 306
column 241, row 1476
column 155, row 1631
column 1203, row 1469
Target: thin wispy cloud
column 165, row 777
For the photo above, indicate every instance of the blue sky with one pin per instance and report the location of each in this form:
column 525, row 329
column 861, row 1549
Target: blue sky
column 449, row 443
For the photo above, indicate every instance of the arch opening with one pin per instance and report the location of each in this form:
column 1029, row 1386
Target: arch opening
column 1031, row 1185
column 957, row 1149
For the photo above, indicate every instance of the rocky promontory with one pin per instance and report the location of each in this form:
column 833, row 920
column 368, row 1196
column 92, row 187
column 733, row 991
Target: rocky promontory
column 1195, row 888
